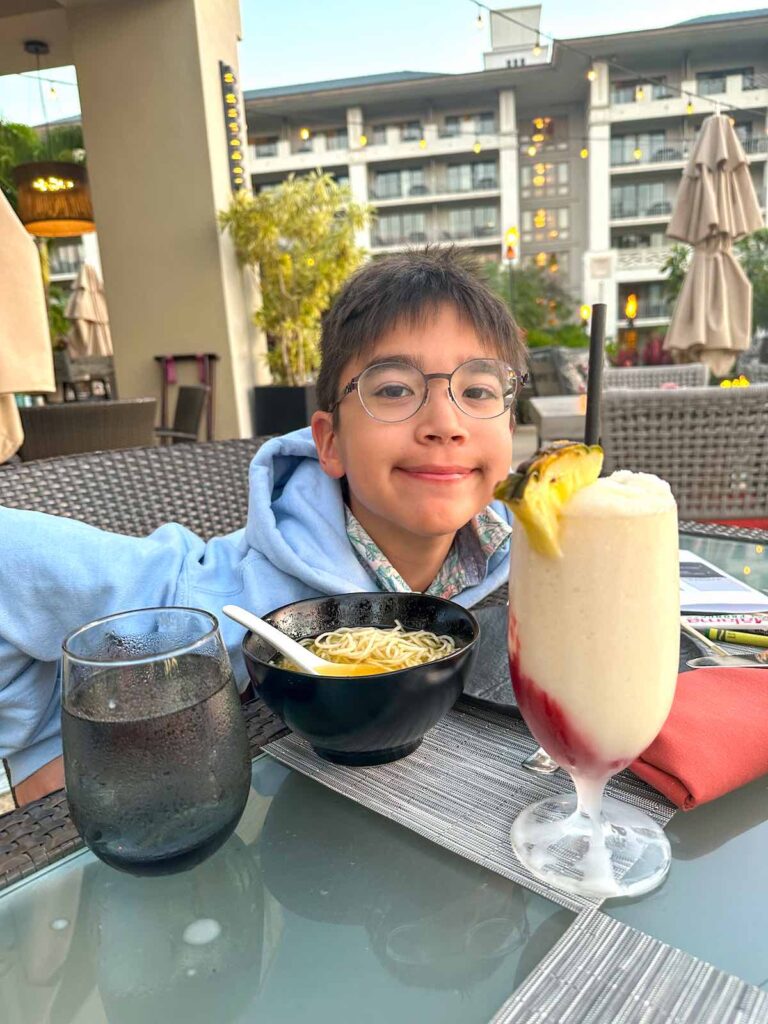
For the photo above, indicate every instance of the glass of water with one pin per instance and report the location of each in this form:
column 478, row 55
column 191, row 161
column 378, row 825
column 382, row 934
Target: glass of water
column 156, row 755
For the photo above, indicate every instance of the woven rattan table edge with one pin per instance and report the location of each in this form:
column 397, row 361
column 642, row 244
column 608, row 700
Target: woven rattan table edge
column 41, row 833
column 722, row 531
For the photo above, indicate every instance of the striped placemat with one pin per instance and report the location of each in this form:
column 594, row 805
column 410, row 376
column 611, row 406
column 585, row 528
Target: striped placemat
column 603, row 971
column 463, row 788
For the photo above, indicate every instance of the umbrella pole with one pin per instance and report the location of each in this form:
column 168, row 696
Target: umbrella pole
column 595, row 375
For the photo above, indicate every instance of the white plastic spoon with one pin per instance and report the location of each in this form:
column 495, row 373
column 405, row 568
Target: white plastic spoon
column 305, row 659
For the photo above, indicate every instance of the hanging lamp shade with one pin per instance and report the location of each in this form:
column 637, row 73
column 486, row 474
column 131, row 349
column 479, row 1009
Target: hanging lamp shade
column 54, row 200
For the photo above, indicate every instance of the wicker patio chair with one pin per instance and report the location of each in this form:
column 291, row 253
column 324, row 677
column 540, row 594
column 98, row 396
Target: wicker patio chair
column 202, row 486
column 687, row 375
column 73, row 427
column 711, row 444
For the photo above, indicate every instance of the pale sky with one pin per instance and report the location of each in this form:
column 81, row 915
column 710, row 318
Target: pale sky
column 322, row 39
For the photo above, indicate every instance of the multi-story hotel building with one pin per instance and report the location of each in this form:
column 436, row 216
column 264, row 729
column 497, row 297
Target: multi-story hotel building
column 571, row 151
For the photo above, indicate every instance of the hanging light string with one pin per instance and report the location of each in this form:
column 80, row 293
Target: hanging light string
column 48, row 145
column 639, row 75
column 34, row 75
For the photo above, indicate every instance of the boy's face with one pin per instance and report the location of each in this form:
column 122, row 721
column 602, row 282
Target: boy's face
column 397, row 471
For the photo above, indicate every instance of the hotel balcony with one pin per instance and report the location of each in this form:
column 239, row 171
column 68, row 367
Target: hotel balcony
column 646, row 100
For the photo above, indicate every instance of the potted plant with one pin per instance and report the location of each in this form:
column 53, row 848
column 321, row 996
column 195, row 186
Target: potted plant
column 300, row 237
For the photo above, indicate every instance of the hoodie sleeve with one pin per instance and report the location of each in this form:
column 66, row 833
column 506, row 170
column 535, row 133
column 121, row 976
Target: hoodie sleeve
column 55, row 575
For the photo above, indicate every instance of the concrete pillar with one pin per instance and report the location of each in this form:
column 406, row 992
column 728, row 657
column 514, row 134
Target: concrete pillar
column 509, row 174
column 599, row 260
column 358, row 168
column 154, row 130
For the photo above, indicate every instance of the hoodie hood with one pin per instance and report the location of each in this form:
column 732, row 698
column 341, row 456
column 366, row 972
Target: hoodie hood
column 296, row 522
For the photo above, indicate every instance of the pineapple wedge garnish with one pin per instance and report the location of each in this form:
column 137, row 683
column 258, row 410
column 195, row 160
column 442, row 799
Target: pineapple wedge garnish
column 541, row 487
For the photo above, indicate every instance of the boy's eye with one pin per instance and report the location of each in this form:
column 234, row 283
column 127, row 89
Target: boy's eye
column 480, row 393
column 393, row 390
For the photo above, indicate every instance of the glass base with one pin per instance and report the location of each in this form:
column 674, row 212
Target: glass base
column 558, row 843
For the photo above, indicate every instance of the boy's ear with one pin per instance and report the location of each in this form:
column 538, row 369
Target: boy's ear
column 326, row 441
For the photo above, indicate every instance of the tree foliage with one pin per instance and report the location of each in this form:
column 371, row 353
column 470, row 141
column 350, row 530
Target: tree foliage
column 301, row 238
column 539, row 303
column 752, row 253
column 20, row 144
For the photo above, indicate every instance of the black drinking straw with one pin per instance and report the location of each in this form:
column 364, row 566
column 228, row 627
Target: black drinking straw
column 595, row 376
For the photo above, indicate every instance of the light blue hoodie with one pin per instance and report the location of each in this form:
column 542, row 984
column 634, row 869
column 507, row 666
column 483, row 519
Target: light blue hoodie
column 57, row 574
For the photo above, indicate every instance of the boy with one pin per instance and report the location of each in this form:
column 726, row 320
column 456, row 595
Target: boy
column 390, row 490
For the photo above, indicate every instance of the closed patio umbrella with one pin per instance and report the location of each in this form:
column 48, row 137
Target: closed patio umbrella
column 715, row 206
column 87, row 309
column 26, row 360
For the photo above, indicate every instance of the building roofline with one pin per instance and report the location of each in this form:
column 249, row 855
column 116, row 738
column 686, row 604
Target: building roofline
column 701, row 25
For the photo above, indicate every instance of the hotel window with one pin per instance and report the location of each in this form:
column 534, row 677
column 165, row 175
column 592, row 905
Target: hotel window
column 485, row 221
column 554, row 262
column 485, row 123
column 460, row 223
column 646, row 200
column 412, row 182
column 411, row 131
column 623, row 92
column 379, row 135
column 649, row 144
column 266, row 145
column 544, row 179
column 336, row 138
column 414, row 227
column 451, row 126
column 546, row 225
column 387, row 185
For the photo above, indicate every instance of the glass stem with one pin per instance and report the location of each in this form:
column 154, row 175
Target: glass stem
column 589, row 794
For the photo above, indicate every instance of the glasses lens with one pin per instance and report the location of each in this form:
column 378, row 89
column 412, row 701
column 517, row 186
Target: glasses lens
column 484, row 388
column 391, row 391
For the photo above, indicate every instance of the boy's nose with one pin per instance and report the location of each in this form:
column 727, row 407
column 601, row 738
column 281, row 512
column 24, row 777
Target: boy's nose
column 440, row 418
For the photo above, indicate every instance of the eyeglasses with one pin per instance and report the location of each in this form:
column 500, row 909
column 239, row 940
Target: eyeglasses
column 395, row 391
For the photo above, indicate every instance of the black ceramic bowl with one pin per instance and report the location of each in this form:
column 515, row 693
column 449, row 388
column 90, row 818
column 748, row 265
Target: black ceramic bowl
column 368, row 719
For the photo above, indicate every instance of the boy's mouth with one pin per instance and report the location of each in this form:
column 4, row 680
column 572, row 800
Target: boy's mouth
column 437, row 473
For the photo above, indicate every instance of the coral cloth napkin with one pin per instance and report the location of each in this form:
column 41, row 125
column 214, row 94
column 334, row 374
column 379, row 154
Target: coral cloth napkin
column 715, row 739
column 26, row 360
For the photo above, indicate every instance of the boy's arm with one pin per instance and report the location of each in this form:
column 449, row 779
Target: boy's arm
column 45, row 780
column 55, row 575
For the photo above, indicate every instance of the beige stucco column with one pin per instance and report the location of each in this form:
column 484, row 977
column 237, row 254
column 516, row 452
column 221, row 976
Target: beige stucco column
column 157, row 156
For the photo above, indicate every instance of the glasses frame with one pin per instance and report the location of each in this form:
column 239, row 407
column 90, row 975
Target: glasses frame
column 520, row 380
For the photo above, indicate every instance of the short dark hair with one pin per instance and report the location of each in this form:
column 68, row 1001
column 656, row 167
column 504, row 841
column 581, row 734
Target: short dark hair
column 407, row 287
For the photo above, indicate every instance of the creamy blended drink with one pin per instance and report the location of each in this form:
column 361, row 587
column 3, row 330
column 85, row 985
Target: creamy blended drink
column 594, row 634
column 594, row 639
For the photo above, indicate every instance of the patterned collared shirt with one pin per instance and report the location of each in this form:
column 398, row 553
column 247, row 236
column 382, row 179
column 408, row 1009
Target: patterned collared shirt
column 465, row 565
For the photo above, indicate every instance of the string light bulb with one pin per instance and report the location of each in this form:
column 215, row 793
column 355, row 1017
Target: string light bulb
column 532, row 151
column 637, row 153
column 584, row 153
column 591, row 74
column 304, row 134
column 363, row 140
column 477, row 148
column 639, row 93
column 689, row 107
column 537, row 46
column 422, row 143
column 479, row 20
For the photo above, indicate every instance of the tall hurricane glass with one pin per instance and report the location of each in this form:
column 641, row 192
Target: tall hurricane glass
column 156, row 754
column 594, row 644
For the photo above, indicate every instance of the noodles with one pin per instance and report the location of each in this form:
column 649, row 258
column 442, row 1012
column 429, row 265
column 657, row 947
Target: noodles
column 388, row 649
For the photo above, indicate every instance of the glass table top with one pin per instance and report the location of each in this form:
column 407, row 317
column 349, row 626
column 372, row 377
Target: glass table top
column 316, row 907
column 319, row 906
column 747, row 561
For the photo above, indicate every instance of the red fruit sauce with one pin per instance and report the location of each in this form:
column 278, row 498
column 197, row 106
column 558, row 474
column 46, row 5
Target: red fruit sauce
column 551, row 726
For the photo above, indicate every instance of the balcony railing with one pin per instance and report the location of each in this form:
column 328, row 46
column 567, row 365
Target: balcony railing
column 66, row 260
column 642, row 259
column 758, row 144
column 441, row 188
column 625, row 211
column 263, row 149
column 665, row 154
column 433, row 235
column 650, row 309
